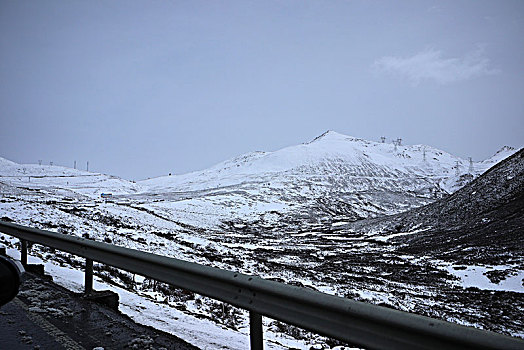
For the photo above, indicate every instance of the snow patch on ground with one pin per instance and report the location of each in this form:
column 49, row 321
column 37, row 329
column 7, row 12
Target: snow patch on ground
column 393, row 235
column 199, row 332
column 475, row 276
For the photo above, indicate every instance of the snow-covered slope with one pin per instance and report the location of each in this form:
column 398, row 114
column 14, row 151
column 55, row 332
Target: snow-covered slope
column 501, row 154
column 329, row 154
column 66, row 181
column 333, row 174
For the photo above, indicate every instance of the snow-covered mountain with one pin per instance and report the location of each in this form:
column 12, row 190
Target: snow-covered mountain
column 333, row 175
column 331, row 154
column 285, row 216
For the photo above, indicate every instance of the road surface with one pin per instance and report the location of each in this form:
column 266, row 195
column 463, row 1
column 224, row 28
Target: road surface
column 47, row 316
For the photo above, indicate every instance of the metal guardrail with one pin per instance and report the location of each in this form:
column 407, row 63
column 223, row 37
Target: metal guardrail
column 350, row 321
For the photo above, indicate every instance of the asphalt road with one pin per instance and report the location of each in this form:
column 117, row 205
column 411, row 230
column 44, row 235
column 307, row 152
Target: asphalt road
column 47, row 316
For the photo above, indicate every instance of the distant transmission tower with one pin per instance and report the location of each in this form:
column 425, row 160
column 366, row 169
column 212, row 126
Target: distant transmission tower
column 87, row 167
column 51, row 163
column 399, row 141
column 75, row 164
column 457, row 170
column 470, row 170
column 383, row 139
column 424, row 153
column 39, row 162
column 395, row 143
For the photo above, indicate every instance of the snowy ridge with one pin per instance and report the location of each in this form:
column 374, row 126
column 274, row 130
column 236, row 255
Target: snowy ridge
column 500, row 155
column 71, row 182
column 327, row 154
column 333, row 173
column 365, row 178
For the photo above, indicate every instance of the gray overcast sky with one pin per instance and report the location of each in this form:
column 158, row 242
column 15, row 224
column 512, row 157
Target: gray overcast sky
column 144, row 88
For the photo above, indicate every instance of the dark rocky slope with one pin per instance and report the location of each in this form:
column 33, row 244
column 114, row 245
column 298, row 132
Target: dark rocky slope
column 482, row 222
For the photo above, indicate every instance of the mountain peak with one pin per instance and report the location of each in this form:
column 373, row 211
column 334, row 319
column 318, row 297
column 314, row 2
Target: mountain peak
column 330, row 135
column 506, row 149
column 501, row 154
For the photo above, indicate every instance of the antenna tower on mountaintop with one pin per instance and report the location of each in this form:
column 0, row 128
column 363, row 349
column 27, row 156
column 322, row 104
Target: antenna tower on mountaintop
column 424, row 153
column 470, row 170
column 75, row 164
column 39, row 162
column 457, row 169
column 382, row 139
column 399, row 141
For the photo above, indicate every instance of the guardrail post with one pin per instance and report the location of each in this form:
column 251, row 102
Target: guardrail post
column 255, row 330
column 88, row 285
column 23, row 252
